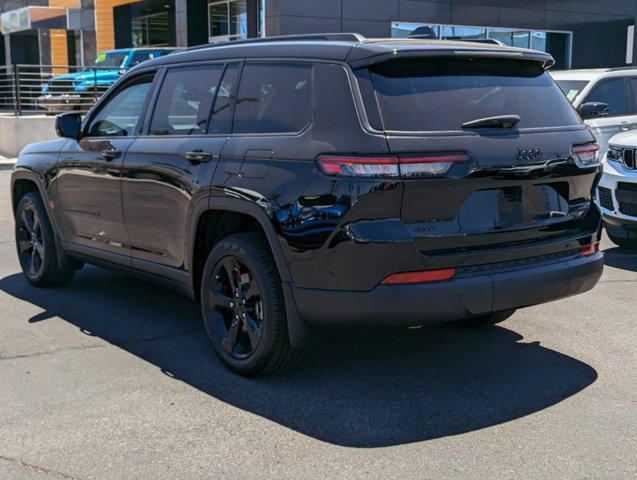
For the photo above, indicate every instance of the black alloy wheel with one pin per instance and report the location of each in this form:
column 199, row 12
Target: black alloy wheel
column 35, row 241
column 30, row 239
column 243, row 306
column 236, row 307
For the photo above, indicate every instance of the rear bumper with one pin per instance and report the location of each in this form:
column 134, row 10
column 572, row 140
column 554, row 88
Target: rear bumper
column 449, row 300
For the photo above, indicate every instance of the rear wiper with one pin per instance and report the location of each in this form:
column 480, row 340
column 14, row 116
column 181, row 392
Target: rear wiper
column 501, row 121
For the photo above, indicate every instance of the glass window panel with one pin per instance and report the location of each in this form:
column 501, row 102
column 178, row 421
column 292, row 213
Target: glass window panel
column 511, row 37
column 612, row 92
column 538, row 41
column 411, row 93
column 185, row 100
column 462, row 33
column 238, row 19
column 120, row 114
column 274, row 98
column 218, row 19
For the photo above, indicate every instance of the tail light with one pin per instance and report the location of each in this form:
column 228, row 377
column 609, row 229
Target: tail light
column 430, row 164
column 586, row 155
column 590, row 249
column 419, row 277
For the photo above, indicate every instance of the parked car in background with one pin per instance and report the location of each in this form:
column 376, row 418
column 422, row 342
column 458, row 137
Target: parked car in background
column 301, row 184
column 79, row 90
column 617, row 190
column 605, row 98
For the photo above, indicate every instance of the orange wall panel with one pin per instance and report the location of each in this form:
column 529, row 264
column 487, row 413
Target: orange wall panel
column 104, row 23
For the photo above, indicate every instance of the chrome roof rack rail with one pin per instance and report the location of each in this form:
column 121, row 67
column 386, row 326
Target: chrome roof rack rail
column 327, row 37
column 616, row 69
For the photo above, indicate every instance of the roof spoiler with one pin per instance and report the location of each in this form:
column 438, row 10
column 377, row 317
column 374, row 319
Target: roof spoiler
column 545, row 60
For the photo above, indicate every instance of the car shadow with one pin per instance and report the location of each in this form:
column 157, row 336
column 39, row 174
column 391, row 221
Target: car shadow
column 621, row 258
column 365, row 389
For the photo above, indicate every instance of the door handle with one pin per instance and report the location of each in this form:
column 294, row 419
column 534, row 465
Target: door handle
column 198, row 156
column 111, row 154
column 625, row 126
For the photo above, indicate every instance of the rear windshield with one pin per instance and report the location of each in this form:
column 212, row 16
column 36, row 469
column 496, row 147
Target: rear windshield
column 571, row 88
column 440, row 94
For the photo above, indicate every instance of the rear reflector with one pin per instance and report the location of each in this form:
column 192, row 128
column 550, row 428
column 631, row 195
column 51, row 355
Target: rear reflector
column 389, row 166
column 419, row 277
column 590, row 249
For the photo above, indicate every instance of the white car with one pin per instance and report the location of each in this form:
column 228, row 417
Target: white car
column 605, row 98
column 617, row 190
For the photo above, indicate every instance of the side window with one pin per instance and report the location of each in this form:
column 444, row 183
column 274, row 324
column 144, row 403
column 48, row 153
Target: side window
column 185, row 100
column 274, row 98
column 612, row 92
column 633, row 95
column 140, row 57
column 120, row 115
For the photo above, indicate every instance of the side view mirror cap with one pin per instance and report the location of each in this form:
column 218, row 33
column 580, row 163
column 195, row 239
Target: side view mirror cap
column 593, row 110
column 69, row 125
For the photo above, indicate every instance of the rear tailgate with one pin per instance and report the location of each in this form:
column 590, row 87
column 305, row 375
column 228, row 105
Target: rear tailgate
column 504, row 186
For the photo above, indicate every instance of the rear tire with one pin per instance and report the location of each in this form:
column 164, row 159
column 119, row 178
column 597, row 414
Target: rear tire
column 243, row 307
column 485, row 320
column 628, row 244
column 35, row 242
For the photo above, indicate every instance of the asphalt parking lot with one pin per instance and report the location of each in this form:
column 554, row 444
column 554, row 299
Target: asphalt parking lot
column 110, row 378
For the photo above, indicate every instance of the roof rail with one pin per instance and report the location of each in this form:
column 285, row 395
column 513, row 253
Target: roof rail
column 615, row 69
column 327, row 37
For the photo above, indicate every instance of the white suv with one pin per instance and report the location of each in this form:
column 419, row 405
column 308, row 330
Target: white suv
column 606, row 99
column 617, row 190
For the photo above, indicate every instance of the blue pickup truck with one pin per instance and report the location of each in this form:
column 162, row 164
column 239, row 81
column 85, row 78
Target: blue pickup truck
column 78, row 90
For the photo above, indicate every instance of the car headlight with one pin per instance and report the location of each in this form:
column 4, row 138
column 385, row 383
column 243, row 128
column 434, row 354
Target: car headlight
column 614, row 154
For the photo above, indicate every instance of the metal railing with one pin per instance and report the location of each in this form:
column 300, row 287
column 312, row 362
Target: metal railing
column 49, row 89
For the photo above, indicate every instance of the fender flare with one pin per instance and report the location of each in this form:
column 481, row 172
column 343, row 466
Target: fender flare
column 300, row 335
column 21, row 173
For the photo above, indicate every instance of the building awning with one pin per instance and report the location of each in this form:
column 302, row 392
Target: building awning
column 31, row 18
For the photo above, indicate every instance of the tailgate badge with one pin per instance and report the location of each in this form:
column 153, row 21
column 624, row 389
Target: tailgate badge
column 529, row 155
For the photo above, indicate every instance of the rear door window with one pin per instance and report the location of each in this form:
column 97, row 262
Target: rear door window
column 185, row 100
column 440, row 94
column 274, row 98
column 614, row 93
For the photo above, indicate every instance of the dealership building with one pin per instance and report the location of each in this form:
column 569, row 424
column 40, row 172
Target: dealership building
column 578, row 33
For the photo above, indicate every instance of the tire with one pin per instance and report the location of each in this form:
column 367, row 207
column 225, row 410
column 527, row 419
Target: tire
column 485, row 320
column 628, row 244
column 243, row 307
column 35, row 243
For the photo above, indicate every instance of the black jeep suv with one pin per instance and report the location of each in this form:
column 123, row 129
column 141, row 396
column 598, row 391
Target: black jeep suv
column 295, row 184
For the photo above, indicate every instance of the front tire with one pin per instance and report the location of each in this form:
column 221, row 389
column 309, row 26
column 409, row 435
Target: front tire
column 35, row 242
column 243, row 307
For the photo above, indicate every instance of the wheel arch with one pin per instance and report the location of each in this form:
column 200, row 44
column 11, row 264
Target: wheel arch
column 298, row 333
column 25, row 181
column 215, row 206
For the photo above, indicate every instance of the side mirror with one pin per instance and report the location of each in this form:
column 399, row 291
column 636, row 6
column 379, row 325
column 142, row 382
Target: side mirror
column 69, row 125
column 593, row 110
